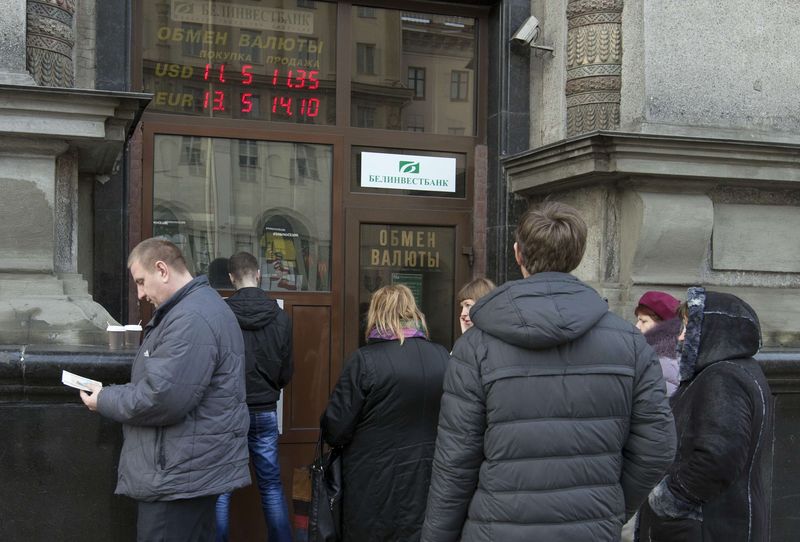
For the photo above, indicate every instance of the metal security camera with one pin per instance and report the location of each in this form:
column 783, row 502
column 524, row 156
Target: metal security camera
column 528, row 33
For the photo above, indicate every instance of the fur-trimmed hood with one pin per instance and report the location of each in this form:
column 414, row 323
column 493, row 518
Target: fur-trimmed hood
column 730, row 322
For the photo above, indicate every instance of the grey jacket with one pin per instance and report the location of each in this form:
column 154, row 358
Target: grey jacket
column 184, row 412
column 554, row 423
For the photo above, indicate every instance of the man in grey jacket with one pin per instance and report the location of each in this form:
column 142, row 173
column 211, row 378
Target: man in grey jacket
column 184, row 414
column 554, row 422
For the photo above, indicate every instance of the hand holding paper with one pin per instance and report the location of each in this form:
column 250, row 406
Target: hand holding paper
column 85, row 385
column 79, row 382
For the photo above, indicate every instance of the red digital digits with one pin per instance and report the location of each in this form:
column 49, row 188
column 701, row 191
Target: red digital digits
column 286, row 106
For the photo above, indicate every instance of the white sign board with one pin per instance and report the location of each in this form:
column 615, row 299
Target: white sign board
column 408, row 172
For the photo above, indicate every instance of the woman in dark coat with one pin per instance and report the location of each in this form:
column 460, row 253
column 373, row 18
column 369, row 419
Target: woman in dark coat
column 384, row 412
column 715, row 490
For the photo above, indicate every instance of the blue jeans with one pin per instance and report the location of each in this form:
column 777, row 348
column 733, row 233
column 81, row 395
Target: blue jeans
column 262, row 439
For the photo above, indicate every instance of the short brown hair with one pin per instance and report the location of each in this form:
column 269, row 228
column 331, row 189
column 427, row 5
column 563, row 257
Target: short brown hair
column 155, row 249
column 242, row 264
column 392, row 308
column 641, row 309
column 475, row 289
column 551, row 237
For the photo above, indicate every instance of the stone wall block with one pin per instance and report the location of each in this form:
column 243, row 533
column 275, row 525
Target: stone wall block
column 665, row 237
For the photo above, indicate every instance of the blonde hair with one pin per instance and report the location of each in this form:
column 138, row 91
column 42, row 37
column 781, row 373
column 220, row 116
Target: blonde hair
column 393, row 308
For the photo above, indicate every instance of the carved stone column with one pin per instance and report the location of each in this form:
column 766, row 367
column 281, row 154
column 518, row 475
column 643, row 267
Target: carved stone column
column 594, row 65
column 50, row 40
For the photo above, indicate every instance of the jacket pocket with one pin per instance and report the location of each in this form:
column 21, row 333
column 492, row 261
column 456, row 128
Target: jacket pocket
column 160, row 455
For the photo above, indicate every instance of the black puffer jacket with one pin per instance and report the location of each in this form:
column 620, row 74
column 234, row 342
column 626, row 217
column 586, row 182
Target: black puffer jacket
column 715, row 491
column 383, row 411
column 554, row 423
column 267, row 333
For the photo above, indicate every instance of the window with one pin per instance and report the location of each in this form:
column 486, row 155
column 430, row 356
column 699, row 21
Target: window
column 459, row 84
column 365, row 58
column 455, row 131
column 192, row 154
column 309, row 54
column 246, row 38
column 235, row 50
column 365, row 117
column 416, row 82
column 198, row 95
column 415, row 123
column 286, row 226
column 191, row 47
column 248, row 160
column 305, row 162
column 402, row 64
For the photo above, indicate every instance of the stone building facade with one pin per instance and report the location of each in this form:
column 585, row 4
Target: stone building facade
column 674, row 128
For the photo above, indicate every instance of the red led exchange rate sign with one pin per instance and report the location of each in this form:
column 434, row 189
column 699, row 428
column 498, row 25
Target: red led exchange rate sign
column 282, row 104
column 226, row 60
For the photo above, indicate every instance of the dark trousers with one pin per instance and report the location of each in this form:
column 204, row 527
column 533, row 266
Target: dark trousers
column 185, row 520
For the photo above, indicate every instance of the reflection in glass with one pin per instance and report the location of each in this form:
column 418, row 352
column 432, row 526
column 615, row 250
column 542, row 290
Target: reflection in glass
column 250, row 59
column 413, row 71
column 214, row 197
column 422, row 258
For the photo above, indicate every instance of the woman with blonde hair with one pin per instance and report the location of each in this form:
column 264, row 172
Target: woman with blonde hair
column 383, row 413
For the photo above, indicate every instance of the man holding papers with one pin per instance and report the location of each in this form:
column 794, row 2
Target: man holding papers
column 184, row 414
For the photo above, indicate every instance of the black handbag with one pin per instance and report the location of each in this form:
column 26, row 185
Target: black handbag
column 325, row 512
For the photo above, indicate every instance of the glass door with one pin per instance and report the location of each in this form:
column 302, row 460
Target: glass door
column 420, row 249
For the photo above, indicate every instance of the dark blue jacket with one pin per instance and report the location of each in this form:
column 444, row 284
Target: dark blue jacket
column 184, row 414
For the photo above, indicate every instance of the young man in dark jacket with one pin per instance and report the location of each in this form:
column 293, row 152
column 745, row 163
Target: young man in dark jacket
column 184, row 414
column 715, row 489
column 554, row 423
column 267, row 333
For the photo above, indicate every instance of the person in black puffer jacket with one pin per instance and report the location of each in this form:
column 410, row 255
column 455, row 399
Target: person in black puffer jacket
column 715, row 490
column 383, row 412
column 267, row 333
column 554, row 422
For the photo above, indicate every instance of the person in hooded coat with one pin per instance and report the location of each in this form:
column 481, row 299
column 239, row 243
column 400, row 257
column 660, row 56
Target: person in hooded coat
column 715, row 489
column 554, row 422
column 383, row 413
column 267, row 333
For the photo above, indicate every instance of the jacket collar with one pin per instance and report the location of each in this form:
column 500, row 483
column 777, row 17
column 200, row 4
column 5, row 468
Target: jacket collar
column 161, row 312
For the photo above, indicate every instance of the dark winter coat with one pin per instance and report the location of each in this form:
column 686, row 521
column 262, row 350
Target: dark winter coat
column 715, row 489
column 664, row 340
column 554, row 422
column 184, row 414
column 267, row 333
column 384, row 411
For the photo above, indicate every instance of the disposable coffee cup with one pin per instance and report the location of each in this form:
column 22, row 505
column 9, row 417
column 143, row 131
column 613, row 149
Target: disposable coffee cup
column 133, row 334
column 116, row 337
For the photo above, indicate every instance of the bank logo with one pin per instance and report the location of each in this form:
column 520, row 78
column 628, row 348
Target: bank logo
column 409, row 167
column 182, row 8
